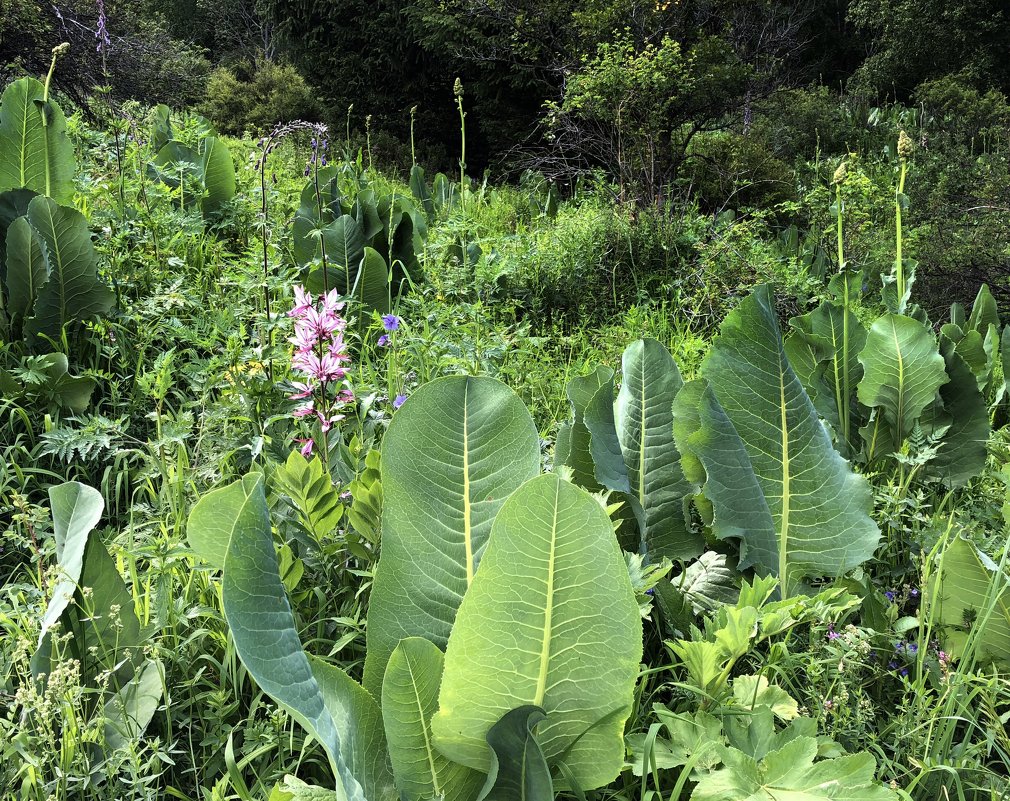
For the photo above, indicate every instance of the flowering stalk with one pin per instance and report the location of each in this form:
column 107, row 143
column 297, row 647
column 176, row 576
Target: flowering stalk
column 317, row 160
column 904, row 153
column 457, row 91
column 319, row 357
column 842, row 393
column 390, row 325
column 267, row 145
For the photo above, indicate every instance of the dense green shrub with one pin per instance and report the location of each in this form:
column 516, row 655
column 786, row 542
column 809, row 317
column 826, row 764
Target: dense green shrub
column 727, row 170
column 254, row 97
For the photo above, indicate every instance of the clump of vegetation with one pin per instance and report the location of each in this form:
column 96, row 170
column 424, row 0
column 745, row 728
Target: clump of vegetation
column 672, row 469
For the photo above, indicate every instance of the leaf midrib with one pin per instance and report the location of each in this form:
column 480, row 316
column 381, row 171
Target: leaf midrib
column 545, row 648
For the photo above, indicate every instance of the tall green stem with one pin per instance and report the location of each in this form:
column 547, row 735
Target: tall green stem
column 900, row 264
column 842, row 394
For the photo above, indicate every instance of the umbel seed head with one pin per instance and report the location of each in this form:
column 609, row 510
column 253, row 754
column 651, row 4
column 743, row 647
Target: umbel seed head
column 905, row 146
column 457, row 88
column 841, row 173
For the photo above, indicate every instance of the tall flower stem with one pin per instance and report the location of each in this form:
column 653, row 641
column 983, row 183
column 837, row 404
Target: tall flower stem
column 842, row 393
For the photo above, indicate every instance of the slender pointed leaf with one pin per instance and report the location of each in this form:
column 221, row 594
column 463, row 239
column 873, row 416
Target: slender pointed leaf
column 409, row 700
column 644, row 418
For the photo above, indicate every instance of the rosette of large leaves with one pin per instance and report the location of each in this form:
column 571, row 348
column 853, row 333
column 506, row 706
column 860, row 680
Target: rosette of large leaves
column 772, row 475
column 51, row 271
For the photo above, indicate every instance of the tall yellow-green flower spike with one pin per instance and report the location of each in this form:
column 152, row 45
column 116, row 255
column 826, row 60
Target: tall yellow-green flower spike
column 457, row 88
column 841, row 173
column 905, row 146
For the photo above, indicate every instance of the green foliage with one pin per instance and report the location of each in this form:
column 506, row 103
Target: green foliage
column 35, row 153
column 255, row 97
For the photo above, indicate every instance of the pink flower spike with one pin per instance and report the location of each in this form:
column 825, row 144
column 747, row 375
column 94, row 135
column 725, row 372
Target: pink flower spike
column 305, row 411
column 303, row 302
column 345, row 396
column 306, row 449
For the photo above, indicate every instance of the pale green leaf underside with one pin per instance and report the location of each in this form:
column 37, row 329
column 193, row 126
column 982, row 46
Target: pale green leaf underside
column 902, row 371
column 452, row 455
column 409, row 700
column 532, row 630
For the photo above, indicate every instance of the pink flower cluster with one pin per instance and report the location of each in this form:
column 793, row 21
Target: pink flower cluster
column 320, row 355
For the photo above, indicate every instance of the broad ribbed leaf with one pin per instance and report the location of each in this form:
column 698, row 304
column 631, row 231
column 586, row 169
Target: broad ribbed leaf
column 902, row 371
column 344, row 242
column 823, row 350
column 409, row 700
column 35, row 152
column 574, row 447
column 371, row 285
column 13, row 204
column 453, row 453
column 218, row 175
column 550, row 620
column 962, row 417
column 644, row 417
column 27, row 267
column 774, row 478
column 130, row 710
column 73, row 291
column 973, row 603
column 983, row 311
column 230, row 528
column 358, row 720
column 76, row 508
column 518, row 770
column 419, row 188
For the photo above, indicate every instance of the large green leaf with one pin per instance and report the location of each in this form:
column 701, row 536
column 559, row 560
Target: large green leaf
column 823, row 349
column 902, row 371
column 574, row 444
column 76, row 508
column 218, row 175
column 343, row 240
column 959, row 418
column 130, row 710
column 230, row 528
column 35, row 152
column 371, row 284
column 518, row 769
column 453, row 453
column 644, row 419
column 409, row 700
column 73, row 291
column 790, row 773
column 551, row 621
column 358, row 720
column 773, row 476
column 27, row 267
column 973, row 603
column 13, row 204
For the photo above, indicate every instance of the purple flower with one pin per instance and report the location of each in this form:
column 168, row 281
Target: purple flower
column 903, row 672
column 913, row 592
column 912, row 648
column 889, row 595
column 892, row 665
column 833, row 635
column 384, row 341
column 398, row 401
column 390, row 322
column 101, row 32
